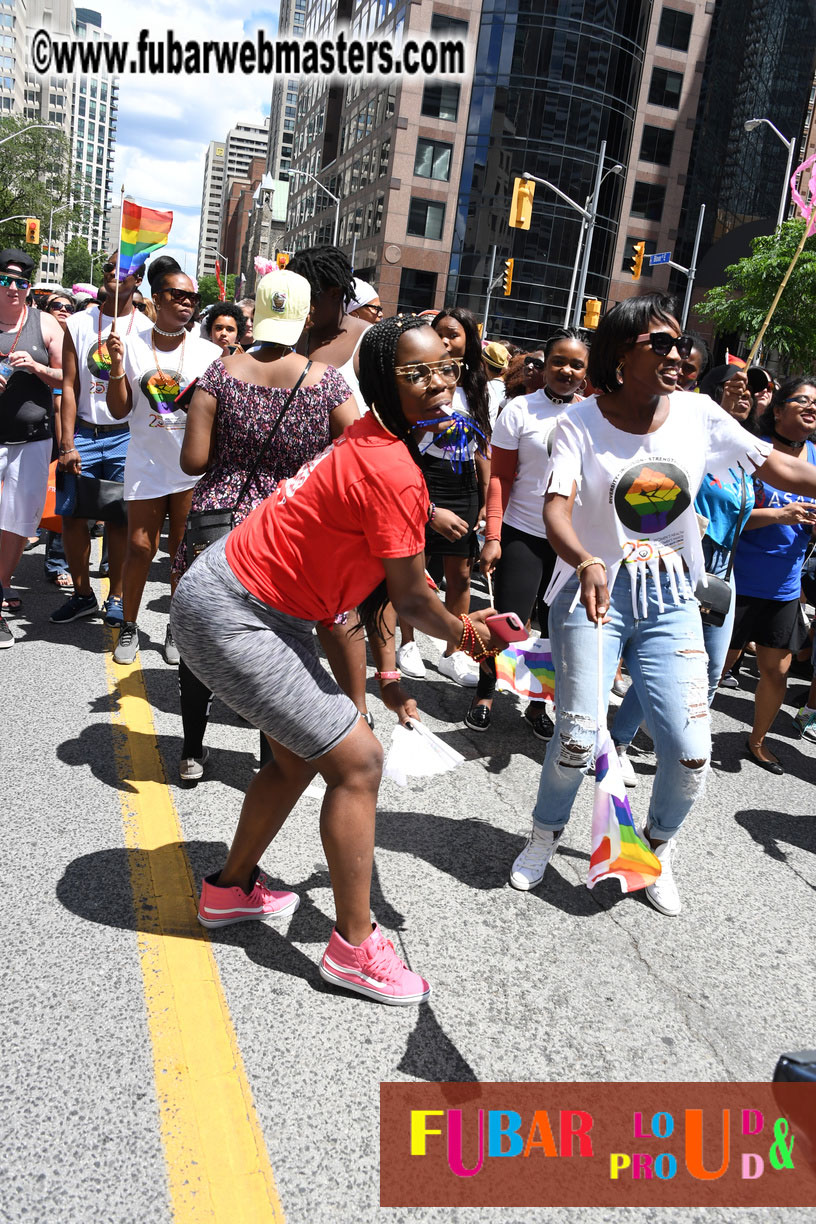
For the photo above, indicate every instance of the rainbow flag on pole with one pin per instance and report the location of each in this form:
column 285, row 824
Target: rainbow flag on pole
column 143, row 230
column 526, row 668
column 617, row 851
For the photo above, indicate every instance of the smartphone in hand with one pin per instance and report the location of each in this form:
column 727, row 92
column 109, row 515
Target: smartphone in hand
column 184, row 397
column 507, row 626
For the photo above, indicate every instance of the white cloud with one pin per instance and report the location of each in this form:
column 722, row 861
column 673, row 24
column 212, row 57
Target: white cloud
column 167, row 122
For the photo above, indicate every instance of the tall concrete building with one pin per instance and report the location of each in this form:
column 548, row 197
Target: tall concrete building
column 93, row 141
column 225, row 161
column 392, row 151
column 283, row 110
column 14, row 20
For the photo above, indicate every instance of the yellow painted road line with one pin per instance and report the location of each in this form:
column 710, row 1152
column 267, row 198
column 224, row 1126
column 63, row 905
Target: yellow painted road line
column 218, row 1169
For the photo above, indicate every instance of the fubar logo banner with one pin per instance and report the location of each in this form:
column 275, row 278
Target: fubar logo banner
column 597, row 1145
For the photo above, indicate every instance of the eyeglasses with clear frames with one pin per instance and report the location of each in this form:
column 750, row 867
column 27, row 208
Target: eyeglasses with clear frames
column 420, row 373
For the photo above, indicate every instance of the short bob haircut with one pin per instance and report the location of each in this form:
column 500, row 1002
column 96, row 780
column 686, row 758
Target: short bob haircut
column 618, row 330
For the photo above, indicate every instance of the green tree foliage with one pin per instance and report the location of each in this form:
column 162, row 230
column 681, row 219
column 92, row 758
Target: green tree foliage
column 77, row 265
column 741, row 304
column 208, row 288
column 34, row 181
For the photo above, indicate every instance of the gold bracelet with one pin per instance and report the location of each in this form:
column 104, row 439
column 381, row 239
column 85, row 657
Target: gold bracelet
column 579, row 569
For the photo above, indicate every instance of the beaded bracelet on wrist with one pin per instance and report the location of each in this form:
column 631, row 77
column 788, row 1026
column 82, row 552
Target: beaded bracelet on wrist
column 387, row 677
column 472, row 644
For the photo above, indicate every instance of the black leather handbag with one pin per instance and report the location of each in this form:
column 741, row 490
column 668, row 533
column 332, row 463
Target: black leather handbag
column 204, row 527
column 99, row 500
column 715, row 598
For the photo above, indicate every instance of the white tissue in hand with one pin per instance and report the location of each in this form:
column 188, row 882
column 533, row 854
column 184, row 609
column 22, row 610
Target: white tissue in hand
column 418, row 753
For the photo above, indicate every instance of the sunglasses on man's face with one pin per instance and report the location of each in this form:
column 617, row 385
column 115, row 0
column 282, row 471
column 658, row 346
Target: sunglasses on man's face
column 184, row 295
column 662, row 343
column 14, row 282
column 533, row 363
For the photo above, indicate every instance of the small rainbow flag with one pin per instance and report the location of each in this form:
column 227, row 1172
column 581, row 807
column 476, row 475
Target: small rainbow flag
column 617, row 851
column 143, row 230
column 526, row 668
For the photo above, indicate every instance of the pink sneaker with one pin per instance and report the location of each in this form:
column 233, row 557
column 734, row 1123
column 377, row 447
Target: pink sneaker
column 372, row 969
column 220, row 907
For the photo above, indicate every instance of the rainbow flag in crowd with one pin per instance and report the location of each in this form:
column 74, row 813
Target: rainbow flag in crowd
column 526, row 668
column 143, row 230
column 617, row 851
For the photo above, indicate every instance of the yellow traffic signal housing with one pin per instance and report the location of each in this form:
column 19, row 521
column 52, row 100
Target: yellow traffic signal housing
column 637, row 259
column 508, row 276
column 521, row 206
column 592, row 314
column 282, row 259
column 32, row 230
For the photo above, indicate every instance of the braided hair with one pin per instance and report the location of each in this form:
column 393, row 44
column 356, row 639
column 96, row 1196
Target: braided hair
column 324, row 267
column 474, row 379
column 564, row 333
column 378, row 386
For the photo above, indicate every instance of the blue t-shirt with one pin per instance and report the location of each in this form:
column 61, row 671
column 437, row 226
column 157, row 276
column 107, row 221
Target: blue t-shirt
column 769, row 559
column 719, row 499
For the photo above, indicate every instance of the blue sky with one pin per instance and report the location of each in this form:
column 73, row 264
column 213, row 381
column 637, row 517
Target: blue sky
column 167, row 122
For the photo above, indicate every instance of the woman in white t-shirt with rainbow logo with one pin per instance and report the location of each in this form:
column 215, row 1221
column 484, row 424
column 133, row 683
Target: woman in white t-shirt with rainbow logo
column 619, row 512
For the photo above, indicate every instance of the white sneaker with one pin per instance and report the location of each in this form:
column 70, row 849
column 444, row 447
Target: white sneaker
column 528, row 869
column 409, row 661
column 191, row 769
column 457, row 666
column 627, row 769
column 663, row 893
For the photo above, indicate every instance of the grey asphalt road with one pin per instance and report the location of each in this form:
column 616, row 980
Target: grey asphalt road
column 559, row 984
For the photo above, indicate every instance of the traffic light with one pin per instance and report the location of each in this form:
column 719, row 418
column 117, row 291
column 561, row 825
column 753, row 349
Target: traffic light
column 521, row 206
column 637, row 259
column 281, row 259
column 32, row 230
column 592, row 314
column 507, row 276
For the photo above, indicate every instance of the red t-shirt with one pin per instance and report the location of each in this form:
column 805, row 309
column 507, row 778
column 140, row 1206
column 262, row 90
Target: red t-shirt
column 313, row 548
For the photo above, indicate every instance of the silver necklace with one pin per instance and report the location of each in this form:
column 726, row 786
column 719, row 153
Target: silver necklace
column 170, row 335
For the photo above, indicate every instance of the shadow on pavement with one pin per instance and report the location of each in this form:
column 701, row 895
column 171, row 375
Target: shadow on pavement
column 732, row 756
column 768, row 829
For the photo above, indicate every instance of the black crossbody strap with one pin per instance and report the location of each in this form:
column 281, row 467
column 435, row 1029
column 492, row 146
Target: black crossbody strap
column 252, row 474
column 737, row 529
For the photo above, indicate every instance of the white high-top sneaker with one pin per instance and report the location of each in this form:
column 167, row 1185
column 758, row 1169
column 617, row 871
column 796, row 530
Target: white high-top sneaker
column 528, row 869
column 663, row 893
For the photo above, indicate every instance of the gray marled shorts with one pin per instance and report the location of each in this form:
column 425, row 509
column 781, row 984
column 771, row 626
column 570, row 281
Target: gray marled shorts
column 260, row 662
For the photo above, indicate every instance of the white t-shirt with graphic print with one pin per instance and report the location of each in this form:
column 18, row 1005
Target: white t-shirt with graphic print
column 526, row 425
column 93, row 362
column 156, row 425
column 635, row 501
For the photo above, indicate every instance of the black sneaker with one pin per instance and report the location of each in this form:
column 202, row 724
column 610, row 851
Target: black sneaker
column 73, row 608
column 6, row 636
column 540, row 722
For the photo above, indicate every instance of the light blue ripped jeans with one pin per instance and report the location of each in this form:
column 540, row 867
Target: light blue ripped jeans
column 667, row 661
column 717, row 640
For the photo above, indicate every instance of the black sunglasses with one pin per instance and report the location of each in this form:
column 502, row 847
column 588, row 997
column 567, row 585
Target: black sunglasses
column 184, row 295
column 662, row 343
column 533, row 363
column 14, row 282
column 66, row 307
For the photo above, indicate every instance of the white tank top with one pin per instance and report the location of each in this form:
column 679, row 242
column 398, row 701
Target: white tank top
column 348, row 372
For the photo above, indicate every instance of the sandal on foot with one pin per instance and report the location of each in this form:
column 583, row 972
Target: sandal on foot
column 64, row 581
column 12, row 603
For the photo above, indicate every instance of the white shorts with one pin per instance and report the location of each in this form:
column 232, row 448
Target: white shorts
column 24, row 478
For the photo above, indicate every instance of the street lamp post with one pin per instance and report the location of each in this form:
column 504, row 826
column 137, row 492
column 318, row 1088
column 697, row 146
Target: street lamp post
column 330, row 194
column 589, row 214
column 223, row 259
column 750, row 125
column 48, row 127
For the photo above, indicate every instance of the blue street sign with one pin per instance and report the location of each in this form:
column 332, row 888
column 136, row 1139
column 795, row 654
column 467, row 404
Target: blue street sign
column 663, row 257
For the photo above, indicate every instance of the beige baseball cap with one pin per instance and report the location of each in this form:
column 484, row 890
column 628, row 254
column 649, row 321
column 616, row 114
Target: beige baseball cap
column 282, row 302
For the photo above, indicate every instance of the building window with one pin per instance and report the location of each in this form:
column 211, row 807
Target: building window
column 665, row 87
column 447, row 25
column 417, row 290
column 650, row 246
column 440, row 101
column 656, row 145
column 426, row 219
column 433, row 160
column 648, row 200
column 674, row 30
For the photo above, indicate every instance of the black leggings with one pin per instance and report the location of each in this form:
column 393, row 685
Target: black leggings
column 522, row 576
column 196, row 702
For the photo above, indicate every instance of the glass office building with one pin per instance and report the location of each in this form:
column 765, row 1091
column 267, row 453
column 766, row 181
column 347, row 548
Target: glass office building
column 551, row 82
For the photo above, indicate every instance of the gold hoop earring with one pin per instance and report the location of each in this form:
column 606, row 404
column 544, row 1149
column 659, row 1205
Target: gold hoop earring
column 619, row 373
column 582, row 386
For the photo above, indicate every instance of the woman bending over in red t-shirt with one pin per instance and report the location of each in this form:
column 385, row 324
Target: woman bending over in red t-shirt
column 347, row 530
